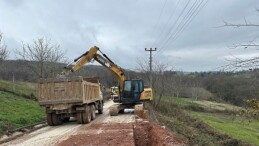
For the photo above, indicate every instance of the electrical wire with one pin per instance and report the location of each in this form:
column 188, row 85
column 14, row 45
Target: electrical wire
column 167, row 22
column 190, row 18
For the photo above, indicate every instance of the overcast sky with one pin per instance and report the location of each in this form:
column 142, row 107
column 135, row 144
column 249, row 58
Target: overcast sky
column 124, row 28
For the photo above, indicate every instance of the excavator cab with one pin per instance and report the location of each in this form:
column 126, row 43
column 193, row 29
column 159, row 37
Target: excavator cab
column 132, row 91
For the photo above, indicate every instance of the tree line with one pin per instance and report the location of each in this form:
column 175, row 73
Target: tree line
column 43, row 59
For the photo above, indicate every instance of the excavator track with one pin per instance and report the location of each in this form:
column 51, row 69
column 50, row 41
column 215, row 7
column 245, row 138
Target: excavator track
column 114, row 110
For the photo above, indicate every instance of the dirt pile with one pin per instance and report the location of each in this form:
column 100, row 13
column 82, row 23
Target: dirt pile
column 140, row 112
column 153, row 134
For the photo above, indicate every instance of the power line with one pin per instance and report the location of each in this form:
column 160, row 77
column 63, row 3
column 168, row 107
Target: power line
column 173, row 28
column 159, row 17
column 182, row 23
column 156, row 25
column 184, row 26
column 170, row 17
column 181, row 13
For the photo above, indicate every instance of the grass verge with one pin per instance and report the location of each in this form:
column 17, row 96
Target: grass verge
column 27, row 90
column 17, row 112
column 207, row 125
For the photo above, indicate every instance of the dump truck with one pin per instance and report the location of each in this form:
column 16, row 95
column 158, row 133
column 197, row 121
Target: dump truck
column 70, row 97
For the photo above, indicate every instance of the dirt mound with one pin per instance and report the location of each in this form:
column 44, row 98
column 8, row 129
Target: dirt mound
column 153, row 134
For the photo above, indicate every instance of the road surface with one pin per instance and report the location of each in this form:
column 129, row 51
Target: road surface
column 53, row 135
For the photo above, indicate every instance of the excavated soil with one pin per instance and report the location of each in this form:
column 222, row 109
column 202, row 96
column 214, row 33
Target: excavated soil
column 103, row 134
column 123, row 134
column 153, row 134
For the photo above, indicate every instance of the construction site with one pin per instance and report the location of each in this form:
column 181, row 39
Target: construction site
column 73, row 98
column 131, row 73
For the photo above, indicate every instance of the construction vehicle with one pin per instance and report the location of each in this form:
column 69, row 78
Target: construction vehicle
column 130, row 92
column 70, row 97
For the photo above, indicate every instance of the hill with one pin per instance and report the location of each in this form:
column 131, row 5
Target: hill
column 233, row 87
column 18, row 106
column 17, row 70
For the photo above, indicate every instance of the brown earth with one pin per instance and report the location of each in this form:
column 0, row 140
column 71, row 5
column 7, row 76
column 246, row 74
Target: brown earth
column 123, row 134
column 153, row 134
column 103, row 134
column 124, row 130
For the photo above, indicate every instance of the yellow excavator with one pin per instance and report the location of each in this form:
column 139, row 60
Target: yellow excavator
column 131, row 92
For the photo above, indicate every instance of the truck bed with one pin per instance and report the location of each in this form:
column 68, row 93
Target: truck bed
column 75, row 90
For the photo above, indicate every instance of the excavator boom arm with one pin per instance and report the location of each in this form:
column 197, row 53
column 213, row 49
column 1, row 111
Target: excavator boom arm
column 113, row 68
column 84, row 58
column 103, row 60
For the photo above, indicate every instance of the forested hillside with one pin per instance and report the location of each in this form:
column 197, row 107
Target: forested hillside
column 232, row 87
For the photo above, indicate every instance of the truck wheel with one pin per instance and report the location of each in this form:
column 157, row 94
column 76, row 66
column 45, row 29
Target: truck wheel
column 56, row 119
column 66, row 119
column 100, row 108
column 79, row 118
column 86, row 115
column 92, row 111
column 121, row 111
column 49, row 120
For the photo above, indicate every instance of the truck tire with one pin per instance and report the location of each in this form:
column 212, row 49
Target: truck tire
column 121, row 111
column 79, row 118
column 66, row 119
column 49, row 120
column 56, row 119
column 100, row 108
column 92, row 110
column 86, row 115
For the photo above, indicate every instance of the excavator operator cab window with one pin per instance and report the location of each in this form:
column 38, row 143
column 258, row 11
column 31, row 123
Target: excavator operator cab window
column 127, row 86
column 133, row 89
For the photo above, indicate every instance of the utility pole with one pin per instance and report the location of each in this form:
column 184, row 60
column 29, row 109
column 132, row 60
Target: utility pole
column 150, row 65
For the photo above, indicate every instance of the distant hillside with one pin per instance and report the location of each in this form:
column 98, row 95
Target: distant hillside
column 20, row 72
column 233, row 87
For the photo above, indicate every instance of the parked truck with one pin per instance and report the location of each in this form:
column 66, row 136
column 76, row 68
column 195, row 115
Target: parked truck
column 70, row 97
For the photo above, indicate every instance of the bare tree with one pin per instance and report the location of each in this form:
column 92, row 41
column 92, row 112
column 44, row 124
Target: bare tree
column 3, row 49
column 143, row 66
column 239, row 63
column 42, row 57
column 160, row 81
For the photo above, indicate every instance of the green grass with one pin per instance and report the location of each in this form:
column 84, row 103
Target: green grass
column 178, row 100
column 217, row 116
column 238, row 127
column 208, row 105
column 16, row 111
column 19, row 88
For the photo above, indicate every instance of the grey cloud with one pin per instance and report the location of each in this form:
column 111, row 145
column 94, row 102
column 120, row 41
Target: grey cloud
column 123, row 29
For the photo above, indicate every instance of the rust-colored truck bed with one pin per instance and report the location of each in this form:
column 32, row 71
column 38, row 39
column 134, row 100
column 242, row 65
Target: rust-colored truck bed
column 70, row 97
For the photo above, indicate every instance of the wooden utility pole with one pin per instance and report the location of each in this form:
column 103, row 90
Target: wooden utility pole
column 150, row 65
